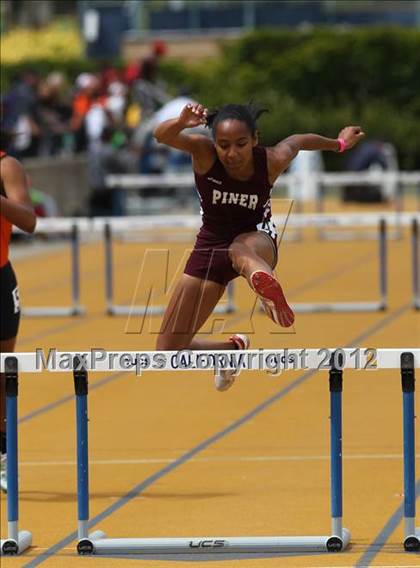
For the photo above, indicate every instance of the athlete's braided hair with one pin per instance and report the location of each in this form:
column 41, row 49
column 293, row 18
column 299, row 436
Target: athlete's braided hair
column 248, row 113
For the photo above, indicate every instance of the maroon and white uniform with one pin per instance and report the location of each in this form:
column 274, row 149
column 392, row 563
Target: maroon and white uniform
column 229, row 207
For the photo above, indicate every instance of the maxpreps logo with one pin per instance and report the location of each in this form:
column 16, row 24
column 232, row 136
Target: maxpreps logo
column 209, row 543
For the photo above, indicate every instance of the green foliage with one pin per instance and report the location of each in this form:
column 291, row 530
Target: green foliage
column 58, row 41
column 320, row 80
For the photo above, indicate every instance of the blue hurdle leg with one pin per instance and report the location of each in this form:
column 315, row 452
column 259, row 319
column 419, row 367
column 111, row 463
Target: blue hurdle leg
column 12, row 462
column 81, row 390
column 411, row 535
column 84, row 545
column 336, row 387
column 17, row 541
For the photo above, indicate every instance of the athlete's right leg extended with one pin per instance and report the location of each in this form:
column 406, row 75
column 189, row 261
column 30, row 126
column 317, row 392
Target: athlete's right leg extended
column 253, row 255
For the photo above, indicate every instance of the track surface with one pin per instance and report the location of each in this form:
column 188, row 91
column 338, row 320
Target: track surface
column 250, row 461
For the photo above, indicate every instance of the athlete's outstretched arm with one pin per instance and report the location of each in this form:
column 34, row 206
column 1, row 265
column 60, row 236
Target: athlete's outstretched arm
column 283, row 153
column 199, row 146
column 170, row 132
column 17, row 207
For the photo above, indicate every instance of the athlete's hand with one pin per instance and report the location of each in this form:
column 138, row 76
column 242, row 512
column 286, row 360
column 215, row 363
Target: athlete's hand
column 193, row 115
column 351, row 135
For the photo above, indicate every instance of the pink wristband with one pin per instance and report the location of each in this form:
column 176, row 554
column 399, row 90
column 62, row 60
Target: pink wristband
column 342, row 144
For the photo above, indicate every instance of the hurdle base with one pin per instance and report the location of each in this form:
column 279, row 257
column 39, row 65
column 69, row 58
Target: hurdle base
column 97, row 543
column 120, row 310
column 12, row 547
column 412, row 542
column 53, row 311
column 340, row 307
column 224, row 309
column 357, row 236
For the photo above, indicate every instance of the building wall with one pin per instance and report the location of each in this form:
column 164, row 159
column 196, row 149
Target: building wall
column 65, row 179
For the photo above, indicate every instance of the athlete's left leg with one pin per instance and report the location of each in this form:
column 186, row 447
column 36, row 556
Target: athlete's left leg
column 254, row 256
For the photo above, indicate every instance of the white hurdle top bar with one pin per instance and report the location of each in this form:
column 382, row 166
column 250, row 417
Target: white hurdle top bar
column 303, row 220
column 149, row 222
column 276, row 360
column 140, row 181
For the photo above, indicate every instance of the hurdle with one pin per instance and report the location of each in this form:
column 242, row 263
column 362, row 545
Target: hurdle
column 394, row 179
column 17, row 541
column 331, row 360
column 334, row 360
column 321, row 220
column 415, row 263
column 114, row 309
column 404, row 219
column 300, row 221
column 98, row 543
column 71, row 227
column 135, row 183
column 379, row 305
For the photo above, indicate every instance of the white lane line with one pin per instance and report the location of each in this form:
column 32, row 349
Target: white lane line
column 248, row 556
column 140, row 461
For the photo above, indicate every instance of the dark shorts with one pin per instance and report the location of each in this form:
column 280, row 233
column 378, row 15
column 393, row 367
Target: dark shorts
column 10, row 306
column 210, row 260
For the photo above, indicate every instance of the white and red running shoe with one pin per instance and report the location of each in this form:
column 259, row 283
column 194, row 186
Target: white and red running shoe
column 272, row 298
column 223, row 380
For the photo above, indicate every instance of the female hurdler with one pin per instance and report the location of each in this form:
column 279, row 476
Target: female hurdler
column 234, row 176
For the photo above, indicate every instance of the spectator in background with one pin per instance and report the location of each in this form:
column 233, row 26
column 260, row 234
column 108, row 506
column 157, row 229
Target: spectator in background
column 97, row 119
column 54, row 115
column 147, row 68
column 158, row 158
column 146, row 90
column 150, row 67
column 372, row 155
column 132, row 72
column 21, row 114
column 149, row 96
column 107, row 158
column 107, row 75
column 87, row 94
column 116, row 102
